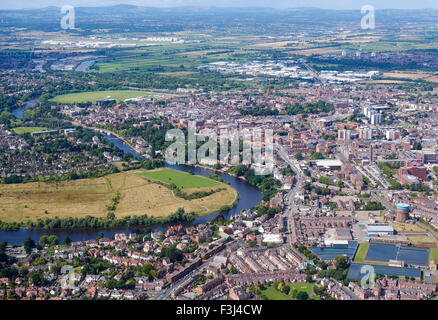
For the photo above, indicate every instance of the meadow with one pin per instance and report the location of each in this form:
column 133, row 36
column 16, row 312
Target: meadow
column 80, row 198
column 23, row 130
column 182, row 180
column 92, row 96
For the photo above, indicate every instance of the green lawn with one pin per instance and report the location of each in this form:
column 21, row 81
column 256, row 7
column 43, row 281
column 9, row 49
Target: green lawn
column 83, row 97
column 272, row 294
column 433, row 255
column 306, row 287
column 23, row 130
column 180, row 179
column 361, row 252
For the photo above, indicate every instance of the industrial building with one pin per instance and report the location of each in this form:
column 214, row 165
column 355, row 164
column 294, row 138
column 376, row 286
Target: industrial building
column 379, row 230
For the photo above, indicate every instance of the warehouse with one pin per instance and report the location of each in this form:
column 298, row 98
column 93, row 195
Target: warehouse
column 379, row 230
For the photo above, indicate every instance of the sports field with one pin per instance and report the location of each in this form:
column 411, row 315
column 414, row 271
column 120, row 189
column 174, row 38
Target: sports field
column 92, row 96
column 361, row 252
column 23, row 130
column 79, row 198
column 433, row 255
column 182, row 180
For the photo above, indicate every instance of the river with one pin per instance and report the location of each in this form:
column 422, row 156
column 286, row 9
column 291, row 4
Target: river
column 19, row 111
column 84, row 65
column 249, row 197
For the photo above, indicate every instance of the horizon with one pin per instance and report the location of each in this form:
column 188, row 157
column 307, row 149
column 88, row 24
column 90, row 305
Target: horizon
column 279, row 4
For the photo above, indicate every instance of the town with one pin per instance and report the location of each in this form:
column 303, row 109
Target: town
column 92, row 209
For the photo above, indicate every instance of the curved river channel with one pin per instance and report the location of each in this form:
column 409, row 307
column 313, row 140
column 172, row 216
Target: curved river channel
column 249, row 197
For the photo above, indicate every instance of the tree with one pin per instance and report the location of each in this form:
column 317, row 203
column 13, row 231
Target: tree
column 301, row 295
column 341, row 262
column 28, row 244
column 299, row 156
column 417, row 145
column 99, row 236
column 285, row 289
column 294, row 293
column 66, row 241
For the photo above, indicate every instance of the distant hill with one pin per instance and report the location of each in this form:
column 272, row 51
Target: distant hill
column 151, row 19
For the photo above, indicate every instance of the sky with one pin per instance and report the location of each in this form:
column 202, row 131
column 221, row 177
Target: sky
column 326, row 4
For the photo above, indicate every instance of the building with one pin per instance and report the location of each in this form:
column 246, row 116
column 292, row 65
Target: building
column 419, row 172
column 428, row 157
column 329, row 164
column 344, row 134
column 402, row 212
column 379, row 230
column 376, row 118
column 272, row 238
column 392, row 134
column 365, row 133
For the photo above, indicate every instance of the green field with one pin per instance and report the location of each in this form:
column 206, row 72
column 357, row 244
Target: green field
column 189, row 59
column 180, row 179
column 361, row 252
column 83, row 197
column 433, row 255
column 23, row 130
column 83, row 97
column 271, row 293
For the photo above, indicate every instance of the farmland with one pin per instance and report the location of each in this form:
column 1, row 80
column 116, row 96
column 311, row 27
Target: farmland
column 80, row 198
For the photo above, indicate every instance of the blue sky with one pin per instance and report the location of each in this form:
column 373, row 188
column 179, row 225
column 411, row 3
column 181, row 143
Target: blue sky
column 327, row 4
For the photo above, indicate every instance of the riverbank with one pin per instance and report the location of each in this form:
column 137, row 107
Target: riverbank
column 129, row 193
column 248, row 197
column 251, row 196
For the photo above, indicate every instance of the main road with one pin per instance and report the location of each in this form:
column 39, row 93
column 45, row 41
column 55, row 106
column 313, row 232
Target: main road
column 291, row 209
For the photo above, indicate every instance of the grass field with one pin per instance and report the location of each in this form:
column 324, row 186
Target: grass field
column 83, row 97
column 180, row 179
column 306, row 287
column 361, row 252
column 433, row 255
column 23, row 130
column 271, row 293
column 79, row 198
column 408, row 227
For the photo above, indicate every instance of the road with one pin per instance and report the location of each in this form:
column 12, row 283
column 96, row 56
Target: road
column 312, row 71
column 292, row 194
column 291, row 200
column 167, row 292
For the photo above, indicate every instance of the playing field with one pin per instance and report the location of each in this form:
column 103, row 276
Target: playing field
column 182, row 180
column 361, row 252
column 433, row 255
column 23, row 130
column 83, row 97
column 79, row 198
